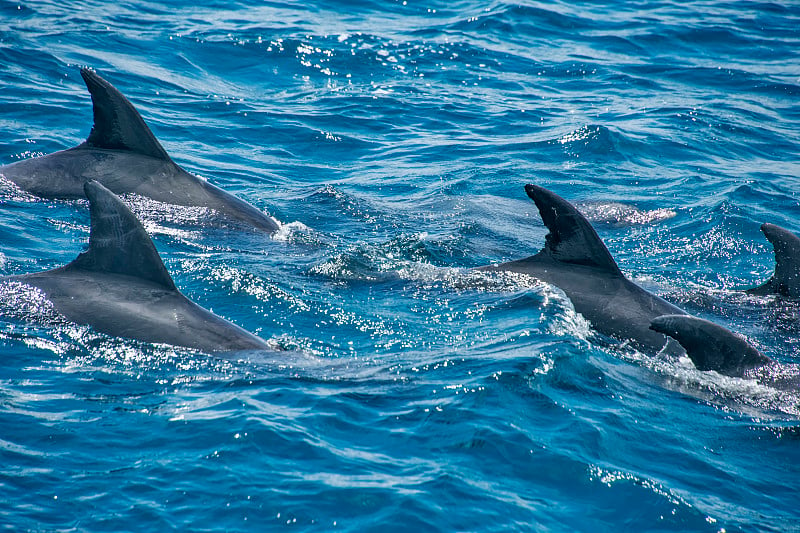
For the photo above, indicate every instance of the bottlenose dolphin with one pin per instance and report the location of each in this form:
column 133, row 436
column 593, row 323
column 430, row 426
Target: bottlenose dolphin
column 785, row 281
column 575, row 260
column 123, row 154
column 711, row 346
column 120, row 287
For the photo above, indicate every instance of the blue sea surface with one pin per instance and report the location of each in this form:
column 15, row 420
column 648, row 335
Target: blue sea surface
column 393, row 140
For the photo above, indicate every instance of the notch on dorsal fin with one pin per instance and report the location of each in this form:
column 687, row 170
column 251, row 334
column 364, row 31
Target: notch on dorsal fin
column 710, row 346
column 571, row 239
column 117, row 124
column 118, row 243
column 786, row 278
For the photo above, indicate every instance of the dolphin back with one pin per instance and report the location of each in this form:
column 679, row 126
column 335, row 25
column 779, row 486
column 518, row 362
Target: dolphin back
column 710, row 346
column 117, row 124
column 120, row 287
column 118, row 243
column 786, row 279
column 572, row 238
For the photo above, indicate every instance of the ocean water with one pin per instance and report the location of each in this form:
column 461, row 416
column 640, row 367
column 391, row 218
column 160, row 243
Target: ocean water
column 393, row 140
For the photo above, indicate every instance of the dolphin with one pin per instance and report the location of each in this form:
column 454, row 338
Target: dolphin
column 785, row 281
column 575, row 260
column 712, row 347
column 120, row 287
column 123, row 154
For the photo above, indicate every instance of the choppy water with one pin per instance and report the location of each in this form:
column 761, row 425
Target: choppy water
column 393, row 140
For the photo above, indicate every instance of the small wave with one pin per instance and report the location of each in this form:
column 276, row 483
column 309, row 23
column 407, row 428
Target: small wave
column 292, row 232
column 618, row 214
column 589, row 141
column 374, row 262
column 350, row 204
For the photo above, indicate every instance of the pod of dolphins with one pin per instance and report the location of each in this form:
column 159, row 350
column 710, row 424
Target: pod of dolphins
column 120, row 287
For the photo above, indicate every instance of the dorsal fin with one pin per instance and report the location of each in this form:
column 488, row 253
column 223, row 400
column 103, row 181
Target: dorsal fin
column 118, row 243
column 710, row 346
column 786, row 278
column 571, row 239
column 117, row 124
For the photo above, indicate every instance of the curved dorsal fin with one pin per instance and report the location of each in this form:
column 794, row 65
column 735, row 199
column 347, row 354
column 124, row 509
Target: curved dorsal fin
column 571, row 239
column 786, row 279
column 710, row 346
column 118, row 243
column 117, row 124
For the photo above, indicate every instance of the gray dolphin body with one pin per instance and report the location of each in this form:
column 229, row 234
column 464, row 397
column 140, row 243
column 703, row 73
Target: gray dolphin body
column 120, row 287
column 785, row 281
column 123, row 154
column 712, row 347
column 575, row 260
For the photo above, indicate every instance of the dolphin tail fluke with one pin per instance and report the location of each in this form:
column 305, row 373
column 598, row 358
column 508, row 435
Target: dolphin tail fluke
column 572, row 238
column 786, row 279
column 117, row 124
column 710, row 346
column 118, row 243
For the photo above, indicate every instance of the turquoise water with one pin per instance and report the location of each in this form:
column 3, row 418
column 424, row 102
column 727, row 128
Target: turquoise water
column 393, row 140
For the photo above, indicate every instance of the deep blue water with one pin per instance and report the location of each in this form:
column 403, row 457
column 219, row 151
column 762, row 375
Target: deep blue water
column 393, row 140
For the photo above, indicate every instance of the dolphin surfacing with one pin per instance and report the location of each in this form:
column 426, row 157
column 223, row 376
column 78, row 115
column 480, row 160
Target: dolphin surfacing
column 125, row 157
column 575, row 260
column 785, row 281
column 120, row 287
column 711, row 346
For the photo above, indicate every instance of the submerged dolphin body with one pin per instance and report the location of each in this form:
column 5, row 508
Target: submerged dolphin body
column 785, row 281
column 123, row 154
column 575, row 260
column 120, row 287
